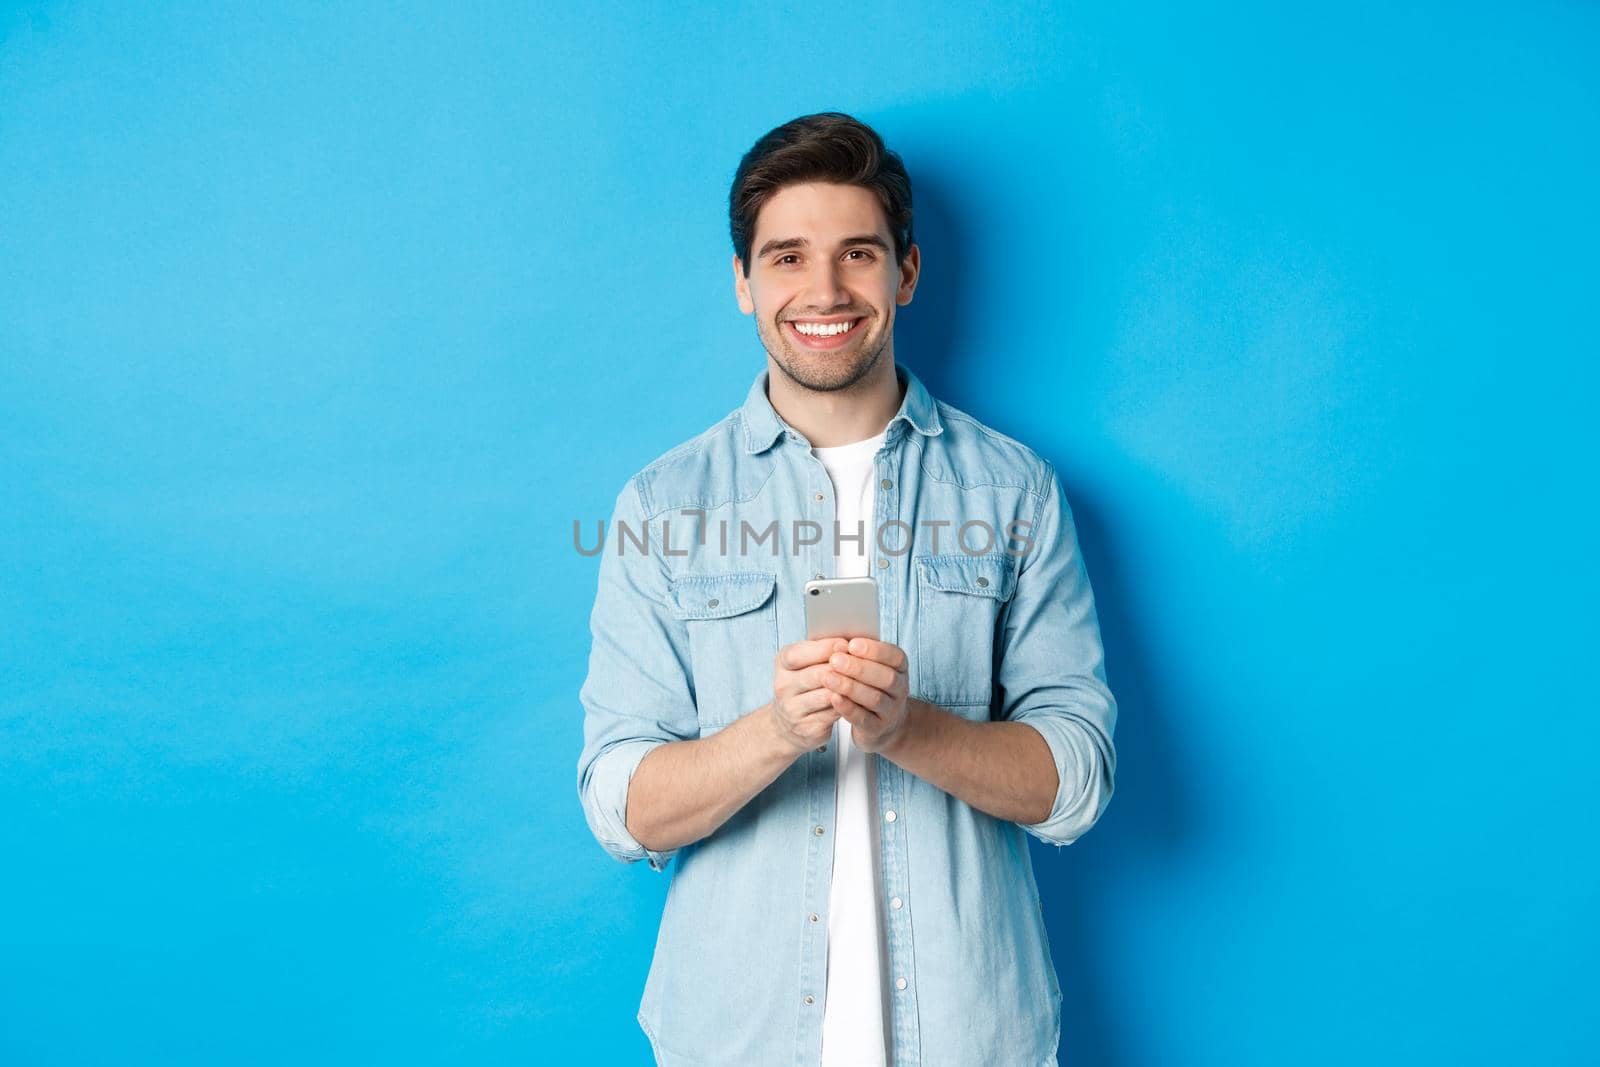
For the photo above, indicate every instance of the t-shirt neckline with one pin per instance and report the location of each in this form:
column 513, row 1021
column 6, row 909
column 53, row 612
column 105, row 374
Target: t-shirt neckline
column 853, row 450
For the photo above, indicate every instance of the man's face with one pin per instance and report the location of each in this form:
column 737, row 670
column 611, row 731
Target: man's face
column 822, row 261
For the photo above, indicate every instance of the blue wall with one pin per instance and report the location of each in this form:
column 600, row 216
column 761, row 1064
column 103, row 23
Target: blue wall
column 319, row 328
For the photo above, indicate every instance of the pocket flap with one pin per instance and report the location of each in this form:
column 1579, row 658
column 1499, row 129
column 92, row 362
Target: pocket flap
column 957, row 572
column 717, row 596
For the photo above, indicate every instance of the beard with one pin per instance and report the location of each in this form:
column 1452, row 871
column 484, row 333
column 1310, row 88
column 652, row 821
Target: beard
column 822, row 372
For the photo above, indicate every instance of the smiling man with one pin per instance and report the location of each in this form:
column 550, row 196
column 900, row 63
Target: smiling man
column 853, row 885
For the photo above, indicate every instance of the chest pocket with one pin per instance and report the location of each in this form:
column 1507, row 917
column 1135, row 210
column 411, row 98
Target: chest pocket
column 959, row 600
column 732, row 621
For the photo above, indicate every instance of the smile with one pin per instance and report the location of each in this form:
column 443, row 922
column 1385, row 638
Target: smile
column 823, row 335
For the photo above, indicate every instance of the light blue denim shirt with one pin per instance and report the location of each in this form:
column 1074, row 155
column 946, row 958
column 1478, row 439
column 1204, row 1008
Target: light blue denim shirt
column 995, row 612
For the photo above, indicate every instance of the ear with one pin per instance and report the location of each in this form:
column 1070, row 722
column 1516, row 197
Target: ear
column 741, row 288
column 910, row 271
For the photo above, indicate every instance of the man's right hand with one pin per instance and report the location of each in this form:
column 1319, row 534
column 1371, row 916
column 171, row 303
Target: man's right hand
column 802, row 708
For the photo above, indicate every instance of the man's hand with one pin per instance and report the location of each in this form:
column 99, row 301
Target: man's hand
column 868, row 688
column 802, row 709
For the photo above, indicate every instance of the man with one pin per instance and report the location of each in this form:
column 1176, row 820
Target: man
column 853, row 885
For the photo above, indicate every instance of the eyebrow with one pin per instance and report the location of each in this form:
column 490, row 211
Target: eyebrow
column 788, row 243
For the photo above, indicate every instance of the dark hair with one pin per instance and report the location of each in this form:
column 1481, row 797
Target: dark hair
column 829, row 146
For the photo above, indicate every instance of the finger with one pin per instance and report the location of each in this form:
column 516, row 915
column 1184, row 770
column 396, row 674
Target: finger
column 862, row 694
column 805, row 653
column 850, row 711
column 891, row 656
column 803, row 681
column 809, row 703
column 804, row 699
column 877, row 675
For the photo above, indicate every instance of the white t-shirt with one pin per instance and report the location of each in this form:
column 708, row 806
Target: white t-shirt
column 856, row 1005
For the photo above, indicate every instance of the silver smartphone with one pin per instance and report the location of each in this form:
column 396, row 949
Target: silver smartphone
column 842, row 607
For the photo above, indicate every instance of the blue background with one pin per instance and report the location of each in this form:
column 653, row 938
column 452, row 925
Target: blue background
column 320, row 327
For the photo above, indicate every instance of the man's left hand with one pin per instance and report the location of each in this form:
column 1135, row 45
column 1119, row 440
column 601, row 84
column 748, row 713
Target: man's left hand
column 871, row 692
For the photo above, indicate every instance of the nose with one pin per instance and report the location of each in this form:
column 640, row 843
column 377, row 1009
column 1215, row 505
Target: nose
column 825, row 287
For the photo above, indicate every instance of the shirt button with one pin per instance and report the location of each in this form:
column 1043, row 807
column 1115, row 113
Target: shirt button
column 818, row 830
column 819, row 496
column 896, row 903
column 899, row 983
column 819, row 577
column 824, row 748
column 883, row 562
column 889, row 815
column 983, row 583
column 711, row 603
column 809, row 998
column 813, row 916
column 887, row 484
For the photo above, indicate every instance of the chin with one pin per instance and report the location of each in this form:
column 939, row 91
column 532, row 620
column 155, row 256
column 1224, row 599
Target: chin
column 821, row 372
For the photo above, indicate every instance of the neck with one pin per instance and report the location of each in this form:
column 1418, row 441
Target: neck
column 840, row 417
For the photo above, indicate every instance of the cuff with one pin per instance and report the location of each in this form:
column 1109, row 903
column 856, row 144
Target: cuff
column 606, row 803
column 1083, row 779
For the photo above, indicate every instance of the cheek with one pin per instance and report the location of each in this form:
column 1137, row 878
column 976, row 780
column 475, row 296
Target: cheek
column 887, row 298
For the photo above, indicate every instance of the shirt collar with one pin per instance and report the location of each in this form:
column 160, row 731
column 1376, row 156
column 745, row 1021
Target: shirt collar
column 763, row 425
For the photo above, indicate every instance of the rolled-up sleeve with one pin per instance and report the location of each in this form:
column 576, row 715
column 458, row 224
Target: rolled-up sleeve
column 1052, row 669
column 637, row 694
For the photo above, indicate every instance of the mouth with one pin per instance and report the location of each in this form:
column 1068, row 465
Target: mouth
column 823, row 335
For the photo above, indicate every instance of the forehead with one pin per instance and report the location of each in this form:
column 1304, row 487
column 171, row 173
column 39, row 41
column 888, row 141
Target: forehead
column 820, row 211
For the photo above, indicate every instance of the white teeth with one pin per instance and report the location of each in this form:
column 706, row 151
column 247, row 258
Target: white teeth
column 833, row 330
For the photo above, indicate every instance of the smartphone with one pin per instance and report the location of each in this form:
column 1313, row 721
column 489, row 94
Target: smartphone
column 842, row 607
